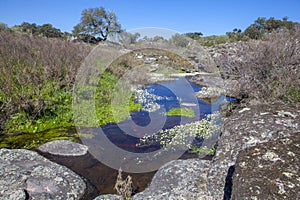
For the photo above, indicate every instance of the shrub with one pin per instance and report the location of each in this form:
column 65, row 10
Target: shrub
column 267, row 69
column 180, row 40
column 36, row 75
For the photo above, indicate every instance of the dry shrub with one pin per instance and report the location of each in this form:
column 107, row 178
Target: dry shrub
column 124, row 187
column 29, row 64
column 268, row 69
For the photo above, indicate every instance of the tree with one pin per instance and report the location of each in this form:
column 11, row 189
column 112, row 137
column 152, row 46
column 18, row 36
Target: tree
column 28, row 28
column 97, row 23
column 47, row 30
column 128, row 38
column 194, row 35
column 235, row 35
column 264, row 26
column 253, row 32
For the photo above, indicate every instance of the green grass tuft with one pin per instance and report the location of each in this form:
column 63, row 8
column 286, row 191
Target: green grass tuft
column 185, row 112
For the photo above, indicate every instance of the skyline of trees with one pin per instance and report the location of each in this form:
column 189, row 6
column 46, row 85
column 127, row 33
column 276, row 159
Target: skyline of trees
column 97, row 25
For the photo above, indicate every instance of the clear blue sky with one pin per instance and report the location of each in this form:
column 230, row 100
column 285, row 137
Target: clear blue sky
column 207, row 16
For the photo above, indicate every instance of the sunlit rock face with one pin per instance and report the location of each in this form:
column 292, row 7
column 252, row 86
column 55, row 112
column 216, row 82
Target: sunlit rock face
column 246, row 128
column 269, row 170
column 27, row 175
column 64, row 148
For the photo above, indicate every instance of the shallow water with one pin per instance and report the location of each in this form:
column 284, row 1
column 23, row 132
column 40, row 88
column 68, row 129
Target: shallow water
column 126, row 135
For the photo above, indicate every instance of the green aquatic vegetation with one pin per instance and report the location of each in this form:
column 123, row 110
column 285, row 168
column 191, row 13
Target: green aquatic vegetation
column 33, row 140
column 183, row 135
column 185, row 112
column 32, row 131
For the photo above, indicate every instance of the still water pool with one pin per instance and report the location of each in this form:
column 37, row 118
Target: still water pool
column 157, row 98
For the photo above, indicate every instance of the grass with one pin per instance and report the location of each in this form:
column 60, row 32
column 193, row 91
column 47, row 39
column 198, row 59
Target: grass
column 55, row 121
column 185, row 112
column 33, row 140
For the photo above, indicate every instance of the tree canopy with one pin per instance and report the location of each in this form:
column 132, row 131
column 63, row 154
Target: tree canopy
column 45, row 30
column 97, row 23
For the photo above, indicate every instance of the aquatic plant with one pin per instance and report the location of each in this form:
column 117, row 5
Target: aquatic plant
column 185, row 112
column 185, row 136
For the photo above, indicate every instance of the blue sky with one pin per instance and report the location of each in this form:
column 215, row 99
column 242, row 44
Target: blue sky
column 211, row 17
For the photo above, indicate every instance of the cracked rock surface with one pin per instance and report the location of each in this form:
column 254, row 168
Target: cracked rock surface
column 268, row 171
column 249, row 127
column 180, row 179
column 25, row 174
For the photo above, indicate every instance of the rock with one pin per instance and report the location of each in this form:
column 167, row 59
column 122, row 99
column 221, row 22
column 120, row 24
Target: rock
column 255, row 125
column 209, row 93
column 64, row 148
column 180, row 179
column 25, row 174
column 269, row 170
column 109, row 197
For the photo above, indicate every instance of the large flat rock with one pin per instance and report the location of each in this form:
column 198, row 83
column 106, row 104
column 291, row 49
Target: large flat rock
column 248, row 127
column 64, row 148
column 268, row 171
column 180, row 179
column 25, row 174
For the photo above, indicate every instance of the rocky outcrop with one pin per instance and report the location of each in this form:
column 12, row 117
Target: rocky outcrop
column 109, row 197
column 245, row 128
column 268, row 171
column 180, row 179
column 27, row 175
column 64, row 148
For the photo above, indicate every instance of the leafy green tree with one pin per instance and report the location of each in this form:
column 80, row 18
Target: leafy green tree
column 264, row 26
column 29, row 28
column 97, row 23
column 253, row 32
column 47, row 30
column 194, row 35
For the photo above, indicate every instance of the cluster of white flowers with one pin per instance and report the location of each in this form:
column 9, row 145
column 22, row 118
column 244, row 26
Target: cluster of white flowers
column 183, row 135
column 209, row 92
column 147, row 99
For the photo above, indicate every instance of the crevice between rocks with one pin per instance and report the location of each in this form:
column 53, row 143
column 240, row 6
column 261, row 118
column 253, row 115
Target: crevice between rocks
column 228, row 183
column 26, row 194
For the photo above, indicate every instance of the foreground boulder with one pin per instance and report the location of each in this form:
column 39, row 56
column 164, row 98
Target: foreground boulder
column 109, row 197
column 27, row 175
column 268, row 171
column 180, row 179
column 245, row 128
column 64, row 148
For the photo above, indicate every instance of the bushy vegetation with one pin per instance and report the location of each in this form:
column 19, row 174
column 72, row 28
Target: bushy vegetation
column 258, row 30
column 37, row 76
column 45, row 30
column 268, row 69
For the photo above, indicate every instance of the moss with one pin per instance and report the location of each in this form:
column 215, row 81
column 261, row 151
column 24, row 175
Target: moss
column 200, row 150
column 33, row 140
column 58, row 118
column 185, row 112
